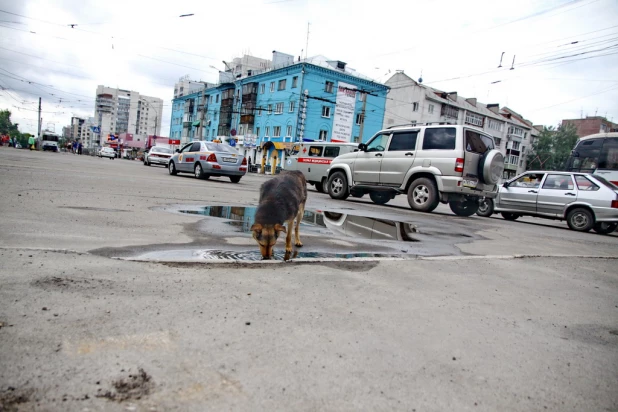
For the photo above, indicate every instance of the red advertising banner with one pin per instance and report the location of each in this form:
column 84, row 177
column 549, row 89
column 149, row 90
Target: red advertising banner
column 173, row 141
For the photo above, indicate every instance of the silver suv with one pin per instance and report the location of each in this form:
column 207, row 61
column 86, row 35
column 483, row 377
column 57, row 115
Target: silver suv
column 451, row 164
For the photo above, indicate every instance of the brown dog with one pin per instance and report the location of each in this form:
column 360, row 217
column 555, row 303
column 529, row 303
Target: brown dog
column 282, row 199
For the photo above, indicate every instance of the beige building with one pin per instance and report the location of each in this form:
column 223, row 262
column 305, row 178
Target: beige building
column 125, row 111
column 410, row 102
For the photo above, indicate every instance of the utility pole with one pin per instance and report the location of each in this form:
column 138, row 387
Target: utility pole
column 40, row 120
column 362, row 125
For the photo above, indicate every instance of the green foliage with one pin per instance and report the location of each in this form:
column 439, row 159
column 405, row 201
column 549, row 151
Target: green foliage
column 552, row 148
column 12, row 129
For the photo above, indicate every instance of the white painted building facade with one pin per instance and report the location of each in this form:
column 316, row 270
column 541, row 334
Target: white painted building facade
column 124, row 111
column 410, row 102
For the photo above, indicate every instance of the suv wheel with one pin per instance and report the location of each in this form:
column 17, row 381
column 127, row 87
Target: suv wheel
column 423, row 195
column 491, row 166
column 486, row 207
column 510, row 216
column 604, row 228
column 380, row 198
column 580, row 219
column 465, row 208
column 338, row 186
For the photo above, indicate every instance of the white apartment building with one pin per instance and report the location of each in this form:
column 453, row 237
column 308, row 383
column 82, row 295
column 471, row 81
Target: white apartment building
column 123, row 111
column 410, row 102
column 88, row 138
column 186, row 86
column 76, row 127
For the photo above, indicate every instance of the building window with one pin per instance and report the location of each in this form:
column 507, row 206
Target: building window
column 323, row 134
column 217, row 101
column 272, row 87
column 514, row 145
column 259, row 111
column 495, row 125
column 475, row 119
column 277, row 131
column 267, row 132
column 294, row 82
column 257, row 131
column 270, row 109
column 430, row 108
column 359, row 118
column 498, row 140
column 262, row 88
column 415, row 107
column 288, row 131
column 449, row 111
column 240, row 130
column 516, row 131
column 356, row 139
column 362, row 96
column 279, row 108
column 292, row 106
column 325, row 112
column 281, row 85
column 329, row 87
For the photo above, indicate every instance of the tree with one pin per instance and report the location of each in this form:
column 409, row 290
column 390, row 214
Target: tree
column 12, row 129
column 552, row 148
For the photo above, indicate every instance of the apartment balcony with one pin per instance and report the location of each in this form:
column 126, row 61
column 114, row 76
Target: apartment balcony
column 508, row 166
column 247, row 119
column 186, row 125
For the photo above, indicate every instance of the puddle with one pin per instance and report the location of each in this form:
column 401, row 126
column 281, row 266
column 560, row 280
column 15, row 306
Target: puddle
column 341, row 224
column 209, row 255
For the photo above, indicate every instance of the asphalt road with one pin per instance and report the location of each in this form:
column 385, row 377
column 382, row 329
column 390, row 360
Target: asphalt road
column 480, row 314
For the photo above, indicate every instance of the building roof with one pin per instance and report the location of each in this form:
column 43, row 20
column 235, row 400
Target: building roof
column 461, row 102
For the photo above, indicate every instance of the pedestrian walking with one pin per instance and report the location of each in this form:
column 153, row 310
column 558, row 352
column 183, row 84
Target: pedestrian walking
column 249, row 161
column 74, row 147
column 79, row 148
column 31, row 143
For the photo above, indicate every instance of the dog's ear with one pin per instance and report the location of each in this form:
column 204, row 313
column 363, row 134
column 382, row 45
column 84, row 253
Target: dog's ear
column 280, row 228
column 256, row 226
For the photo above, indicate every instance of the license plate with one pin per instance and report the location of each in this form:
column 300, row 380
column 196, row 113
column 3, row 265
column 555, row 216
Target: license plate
column 470, row 183
column 229, row 159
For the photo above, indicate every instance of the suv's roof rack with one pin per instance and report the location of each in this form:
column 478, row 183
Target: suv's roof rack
column 422, row 124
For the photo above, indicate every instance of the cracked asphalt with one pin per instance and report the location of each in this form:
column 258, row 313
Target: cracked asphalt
column 481, row 314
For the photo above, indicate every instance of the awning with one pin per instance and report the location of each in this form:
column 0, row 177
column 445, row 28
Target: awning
column 276, row 145
column 196, row 123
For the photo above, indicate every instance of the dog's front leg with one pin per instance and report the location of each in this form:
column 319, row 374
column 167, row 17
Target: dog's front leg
column 299, row 217
column 288, row 238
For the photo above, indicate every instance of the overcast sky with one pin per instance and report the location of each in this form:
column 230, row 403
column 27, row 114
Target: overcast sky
column 456, row 45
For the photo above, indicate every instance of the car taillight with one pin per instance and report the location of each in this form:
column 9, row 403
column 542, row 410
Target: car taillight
column 459, row 163
column 615, row 204
column 211, row 158
column 244, row 161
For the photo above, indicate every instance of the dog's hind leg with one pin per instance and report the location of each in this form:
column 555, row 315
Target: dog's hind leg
column 288, row 238
column 299, row 217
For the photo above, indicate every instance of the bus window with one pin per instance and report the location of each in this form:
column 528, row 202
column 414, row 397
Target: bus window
column 586, row 155
column 609, row 154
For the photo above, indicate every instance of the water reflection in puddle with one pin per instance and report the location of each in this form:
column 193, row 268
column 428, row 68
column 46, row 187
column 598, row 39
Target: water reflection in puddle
column 359, row 227
column 228, row 255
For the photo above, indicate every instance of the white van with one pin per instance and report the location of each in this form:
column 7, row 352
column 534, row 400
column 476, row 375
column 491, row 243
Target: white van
column 314, row 158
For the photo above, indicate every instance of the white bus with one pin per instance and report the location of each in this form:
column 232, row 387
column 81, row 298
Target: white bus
column 596, row 154
column 49, row 141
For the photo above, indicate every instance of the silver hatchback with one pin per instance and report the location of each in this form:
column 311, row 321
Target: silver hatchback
column 585, row 201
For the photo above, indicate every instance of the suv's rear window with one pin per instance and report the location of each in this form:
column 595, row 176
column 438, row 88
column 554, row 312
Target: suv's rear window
column 439, row 138
column 478, row 143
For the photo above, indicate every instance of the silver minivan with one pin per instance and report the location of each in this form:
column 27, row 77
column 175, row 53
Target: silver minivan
column 452, row 164
column 314, row 159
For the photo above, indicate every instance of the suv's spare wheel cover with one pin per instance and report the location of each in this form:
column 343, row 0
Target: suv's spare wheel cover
column 493, row 166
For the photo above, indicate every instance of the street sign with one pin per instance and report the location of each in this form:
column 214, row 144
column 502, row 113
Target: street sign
column 172, row 141
column 96, row 129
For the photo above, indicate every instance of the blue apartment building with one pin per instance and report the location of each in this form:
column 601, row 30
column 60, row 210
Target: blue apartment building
column 267, row 111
